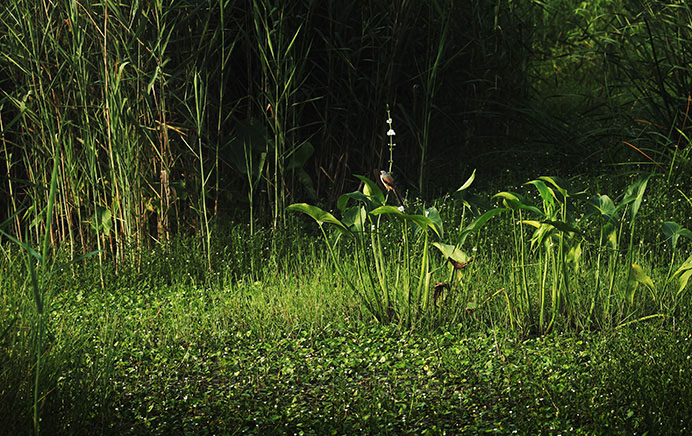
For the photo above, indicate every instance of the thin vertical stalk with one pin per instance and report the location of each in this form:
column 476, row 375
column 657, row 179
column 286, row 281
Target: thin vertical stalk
column 8, row 164
column 200, row 104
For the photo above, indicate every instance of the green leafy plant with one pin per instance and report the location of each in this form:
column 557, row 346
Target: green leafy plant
column 392, row 274
column 40, row 285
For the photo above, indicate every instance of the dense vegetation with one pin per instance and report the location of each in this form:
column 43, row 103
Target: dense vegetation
column 194, row 238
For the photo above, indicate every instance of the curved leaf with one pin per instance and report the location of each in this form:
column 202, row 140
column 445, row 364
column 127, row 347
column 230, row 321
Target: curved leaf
column 672, row 230
column 563, row 226
column 553, row 182
column 421, row 221
column 451, row 251
column 354, row 218
column 479, row 222
column 300, row 156
column 682, row 281
column 604, row 205
column 639, row 276
column 436, row 220
column 319, row 215
column 468, row 182
column 371, row 189
column 515, row 201
column 639, row 196
column 546, row 193
column 342, row 202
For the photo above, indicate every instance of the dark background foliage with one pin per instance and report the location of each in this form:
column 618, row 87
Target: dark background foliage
column 156, row 110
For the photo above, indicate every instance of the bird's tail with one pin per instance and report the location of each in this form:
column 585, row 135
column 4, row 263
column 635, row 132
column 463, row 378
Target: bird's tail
column 398, row 197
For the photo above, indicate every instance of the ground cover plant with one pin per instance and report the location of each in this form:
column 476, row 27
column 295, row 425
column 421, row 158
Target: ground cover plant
column 165, row 347
column 195, row 237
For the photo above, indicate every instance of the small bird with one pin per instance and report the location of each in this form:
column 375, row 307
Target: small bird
column 388, row 182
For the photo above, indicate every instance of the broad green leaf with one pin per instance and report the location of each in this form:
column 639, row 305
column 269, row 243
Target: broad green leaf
column 305, row 180
column 509, row 199
column 434, row 216
column 468, row 182
column 451, row 251
column 387, row 210
column 686, row 265
column 634, row 194
column 669, row 228
column 355, row 217
column 530, row 208
column 640, row 276
column 102, row 221
column 547, row 194
column 420, row 221
column 515, row 201
column 682, row 281
column 672, row 230
column 641, row 187
column 552, row 181
column 342, row 202
column 531, row 223
column 319, row 215
column 604, row 205
column 542, row 235
column 371, row 189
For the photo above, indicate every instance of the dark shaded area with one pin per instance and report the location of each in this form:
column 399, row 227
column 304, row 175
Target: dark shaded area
column 183, row 97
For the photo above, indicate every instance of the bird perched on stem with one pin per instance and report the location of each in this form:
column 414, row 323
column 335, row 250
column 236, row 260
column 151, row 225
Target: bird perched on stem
column 389, row 183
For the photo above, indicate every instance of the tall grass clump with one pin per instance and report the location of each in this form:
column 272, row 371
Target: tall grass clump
column 40, row 267
column 582, row 266
column 123, row 84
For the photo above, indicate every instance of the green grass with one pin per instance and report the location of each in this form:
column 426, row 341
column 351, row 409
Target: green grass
column 147, row 131
column 186, row 359
column 274, row 342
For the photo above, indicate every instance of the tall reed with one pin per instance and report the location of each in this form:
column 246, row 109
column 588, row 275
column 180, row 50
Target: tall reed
column 116, row 81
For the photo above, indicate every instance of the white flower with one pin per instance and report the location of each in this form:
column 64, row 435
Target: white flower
column 389, row 121
column 390, row 132
column 401, row 208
